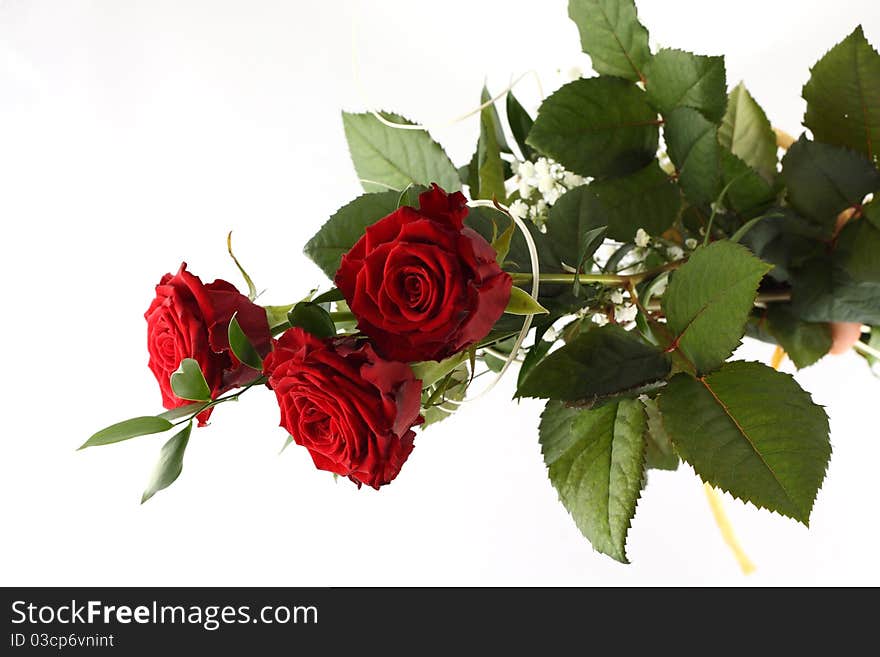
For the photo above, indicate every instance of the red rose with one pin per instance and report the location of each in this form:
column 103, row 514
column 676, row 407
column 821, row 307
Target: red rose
column 351, row 409
column 188, row 319
column 421, row 285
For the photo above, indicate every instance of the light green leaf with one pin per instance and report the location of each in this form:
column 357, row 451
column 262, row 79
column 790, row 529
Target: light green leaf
column 804, row 342
column 252, row 289
column 410, row 196
column 391, row 158
column 170, row 463
column 753, row 432
column 599, row 363
column 287, row 443
column 824, row 180
column 501, row 243
column 189, row 383
column 521, row 303
column 746, row 132
column 692, row 143
column 708, row 301
column 277, row 316
column 596, row 462
column 597, row 127
column 183, row 411
column 843, row 96
column 241, row 346
column 442, row 402
column 676, row 78
column 612, row 36
column 430, row 372
column 311, row 317
column 346, row 227
column 137, row 426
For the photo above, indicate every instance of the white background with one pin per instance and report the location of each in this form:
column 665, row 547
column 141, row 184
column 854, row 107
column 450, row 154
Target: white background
column 136, row 134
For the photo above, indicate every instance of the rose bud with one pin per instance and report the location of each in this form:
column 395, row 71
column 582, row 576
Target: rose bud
column 352, row 410
column 189, row 319
column 422, row 285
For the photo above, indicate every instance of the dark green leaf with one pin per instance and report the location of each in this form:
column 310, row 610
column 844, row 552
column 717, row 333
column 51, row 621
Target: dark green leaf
column 590, row 243
column 500, row 139
column 486, row 221
column 189, row 383
column 137, row 426
column 520, row 124
column 596, row 462
column 329, row 296
column 692, row 143
column 804, row 342
column 746, row 132
column 824, row 180
column 748, row 193
column 597, row 127
column 612, row 36
column 843, row 96
column 646, row 199
column 676, row 78
column 708, row 301
column 346, row 227
column 241, row 346
column 783, row 239
column 170, row 463
column 311, row 317
column 534, row 355
column 659, row 452
column 392, row 158
column 753, row 432
column 573, row 216
column 601, row 362
column 486, row 170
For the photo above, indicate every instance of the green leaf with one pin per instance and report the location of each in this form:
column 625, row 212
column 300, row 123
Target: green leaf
column 804, row 342
column 346, row 227
column 392, row 158
column 612, row 36
column 659, row 451
column 311, row 317
column 601, row 362
column 183, row 411
column 753, row 432
column 746, row 132
column 748, row 193
column 676, row 78
column 692, row 143
column 501, row 243
column 574, row 215
column 500, row 139
column 646, row 199
column 430, row 372
column 277, row 317
column 241, row 346
column 597, row 127
column 596, row 462
column 486, row 174
column 824, row 180
column 520, row 124
column 189, row 383
column 170, row 463
column 331, row 295
column 521, row 303
column 590, row 243
column 453, row 388
column 137, row 426
column 708, row 301
column 843, row 96
column 252, row 289
column 410, row 196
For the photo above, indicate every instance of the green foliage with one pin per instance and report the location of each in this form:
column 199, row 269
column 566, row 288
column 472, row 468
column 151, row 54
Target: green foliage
column 486, row 170
column 843, row 96
column 708, row 301
column 596, row 462
column 692, row 144
column 804, row 342
column 676, row 78
column 753, row 432
column 439, row 401
column 824, row 180
column 612, row 36
column 241, row 346
column 189, row 383
column 170, row 463
column 600, row 363
column 137, row 426
column 748, row 193
column 311, row 317
column 520, row 124
column 660, row 454
column 346, row 227
column 746, row 132
column 576, row 213
column 597, row 127
column 522, row 303
column 391, row 158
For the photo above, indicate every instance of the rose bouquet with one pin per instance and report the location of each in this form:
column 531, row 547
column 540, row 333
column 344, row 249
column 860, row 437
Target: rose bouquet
column 616, row 248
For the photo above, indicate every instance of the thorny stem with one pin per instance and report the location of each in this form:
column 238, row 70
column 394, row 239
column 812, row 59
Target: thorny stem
column 214, row 402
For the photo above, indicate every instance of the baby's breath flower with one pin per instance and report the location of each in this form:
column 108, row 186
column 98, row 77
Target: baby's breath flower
column 599, row 319
column 616, row 297
column 642, row 238
column 675, row 252
column 519, row 209
column 690, row 243
column 625, row 314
